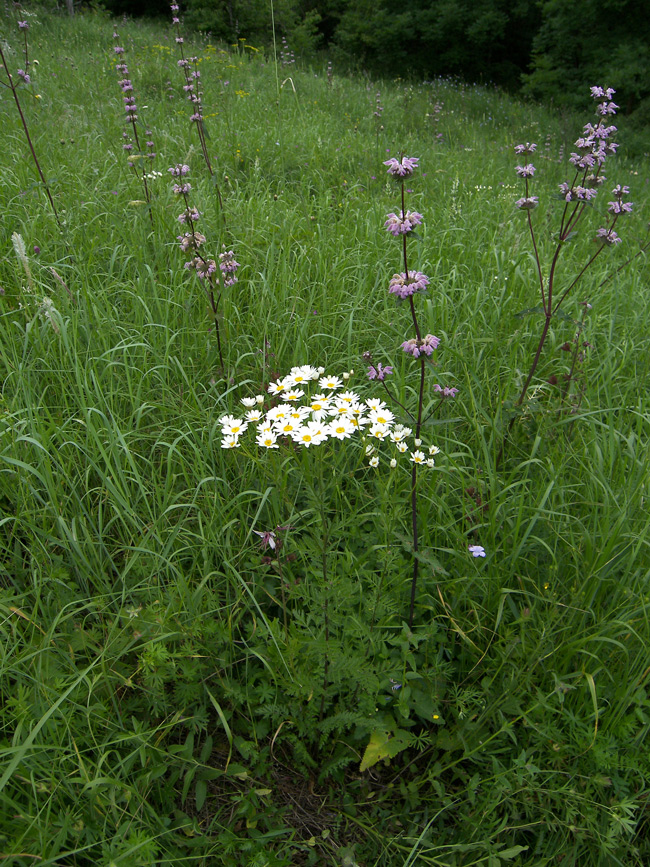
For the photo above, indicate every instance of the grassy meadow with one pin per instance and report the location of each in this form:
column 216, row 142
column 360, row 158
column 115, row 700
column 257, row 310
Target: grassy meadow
column 206, row 655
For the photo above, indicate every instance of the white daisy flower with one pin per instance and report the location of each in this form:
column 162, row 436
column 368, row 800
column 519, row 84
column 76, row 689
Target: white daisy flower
column 393, row 463
column 375, row 403
column 381, row 416
column 235, row 427
column 330, row 382
column 230, row 441
column 341, row 428
column 293, row 395
column 374, row 461
column 434, row 450
column 311, row 434
column 267, row 439
column 402, row 447
column 349, row 397
column 417, row 457
column 431, row 463
column 379, row 431
column 248, row 401
column 286, row 427
column 253, row 415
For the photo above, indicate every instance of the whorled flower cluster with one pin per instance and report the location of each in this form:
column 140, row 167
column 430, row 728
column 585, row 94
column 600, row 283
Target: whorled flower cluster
column 191, row 241
column 131, row 140
column 332, row 412
column 593, row 149
column 403, row 224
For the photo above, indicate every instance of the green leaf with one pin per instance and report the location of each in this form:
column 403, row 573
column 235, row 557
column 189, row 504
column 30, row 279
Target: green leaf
column 383, row 746
column 512, row 852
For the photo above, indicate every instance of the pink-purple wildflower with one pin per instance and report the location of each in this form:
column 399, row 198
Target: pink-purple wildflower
column 403, row 224
column 403, row 285
column 402, row 167
column 417, row 347
column 380, row 373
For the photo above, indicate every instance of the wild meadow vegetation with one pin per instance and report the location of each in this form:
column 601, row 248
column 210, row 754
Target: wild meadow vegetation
column 412, row 629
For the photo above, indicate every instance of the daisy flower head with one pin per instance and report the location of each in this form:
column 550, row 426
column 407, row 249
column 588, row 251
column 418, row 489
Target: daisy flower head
column 311, row 434
column 294, row 395
column 276, row 387
column 381, row 416
column 431, row 463
column 378, row 431
column 349, row 397
column 230, row 441
column 375, row 403
column 248, row 402
column 235, row 426
column 330, row 382
column 417, row 457
column 341, row 428
column 393, row 463
column 267, row 439
column 253, row 415
column 374, row 461
column 304, row 373
column 280, row 412
column 434, row 450
column 287, row 426
column 402, row 447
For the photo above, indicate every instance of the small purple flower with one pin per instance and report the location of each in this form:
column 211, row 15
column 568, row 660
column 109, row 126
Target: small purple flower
column 445, row 392
column 477, row 550
column 180, row 40
column 37, row 249
column 402, row 225
column 526, row 171
column 402, row 168
column 182, row 189
column 400, row 286
column 189, row 215
column 380, row 373
column 191, row 241
column 606, row 108
column 573, row 194
column 118, row 50
column 619, row 207
column 179, row 170
column 24, row 75
column 525, row 149
column 205, row 268
column 23, row 25
column 607, row 236
column 528, row 203
column 416, row 347
column 620, row 191
column 174, row 7
column 228, row 267
column 183, row 63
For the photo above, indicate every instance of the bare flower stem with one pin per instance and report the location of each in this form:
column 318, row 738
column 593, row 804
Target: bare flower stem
column 14, row 91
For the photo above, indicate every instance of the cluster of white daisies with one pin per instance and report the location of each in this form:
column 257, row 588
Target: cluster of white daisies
column 334, row 412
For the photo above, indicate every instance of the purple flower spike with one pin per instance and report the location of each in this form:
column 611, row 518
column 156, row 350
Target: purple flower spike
column 400, row 286
column 526, row 171
column 404, row 224
column 402, row 168
column 526, row 149
column 528, row 203
column 179, row 170
column 380, row 373
column 607, row 236
column 445, row 392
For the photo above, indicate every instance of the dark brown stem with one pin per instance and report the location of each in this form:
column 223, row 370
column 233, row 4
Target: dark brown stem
column 29, row 140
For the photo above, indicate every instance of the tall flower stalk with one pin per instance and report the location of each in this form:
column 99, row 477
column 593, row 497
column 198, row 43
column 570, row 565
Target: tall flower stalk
column 132, row 145
column 194, row 94
column 214, row 277
column 405, row 286
column 594, row 147
column 24, row 76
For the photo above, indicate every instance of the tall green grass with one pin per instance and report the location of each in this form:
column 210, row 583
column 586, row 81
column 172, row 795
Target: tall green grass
column 170, row 697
